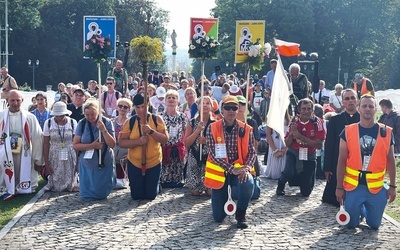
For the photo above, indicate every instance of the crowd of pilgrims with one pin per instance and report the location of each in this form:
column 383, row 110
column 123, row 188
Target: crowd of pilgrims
column 103, row 154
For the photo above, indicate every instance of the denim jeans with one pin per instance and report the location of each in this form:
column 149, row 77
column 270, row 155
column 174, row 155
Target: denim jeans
column 306, row 178
column 371, row 206
column 220, row 196
column 144, row 187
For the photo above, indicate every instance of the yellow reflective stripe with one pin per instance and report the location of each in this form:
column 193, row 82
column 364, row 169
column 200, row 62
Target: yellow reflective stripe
column 375, row 184
column 237, row 165
column 214, row 167
column 351, row 171
column 351, row 181
column 215, row 177
column 368, row 175
column 375, row 175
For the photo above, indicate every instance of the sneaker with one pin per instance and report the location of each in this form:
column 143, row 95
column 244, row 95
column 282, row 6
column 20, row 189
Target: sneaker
column 7, row 197
column 280, row 192
column 120, row 184
column 242, row 225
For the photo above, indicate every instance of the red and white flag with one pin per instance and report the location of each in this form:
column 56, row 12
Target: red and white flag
column 287, row 48
column 279, row 100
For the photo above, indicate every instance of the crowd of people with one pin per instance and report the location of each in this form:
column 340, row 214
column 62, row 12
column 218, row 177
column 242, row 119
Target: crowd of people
column 202, row 134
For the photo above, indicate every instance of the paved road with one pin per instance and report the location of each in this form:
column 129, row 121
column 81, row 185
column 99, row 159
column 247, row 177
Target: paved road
column 177, row 220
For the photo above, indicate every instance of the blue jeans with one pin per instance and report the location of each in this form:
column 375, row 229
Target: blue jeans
column 306, row 179
column 361, row 202
column 144, row 187
column 220, row 196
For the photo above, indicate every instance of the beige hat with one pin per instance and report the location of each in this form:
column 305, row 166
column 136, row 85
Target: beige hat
column 60, row 108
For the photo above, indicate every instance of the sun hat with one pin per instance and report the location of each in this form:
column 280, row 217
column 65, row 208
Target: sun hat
column 60, row 108
column 234, row 89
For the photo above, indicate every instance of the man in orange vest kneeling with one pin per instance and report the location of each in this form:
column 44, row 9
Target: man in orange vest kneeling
column 231, row 157
column 365, row 154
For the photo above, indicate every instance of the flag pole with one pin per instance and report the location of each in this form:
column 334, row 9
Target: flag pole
column 100, row 109
column 201, row 102
column 247, row 93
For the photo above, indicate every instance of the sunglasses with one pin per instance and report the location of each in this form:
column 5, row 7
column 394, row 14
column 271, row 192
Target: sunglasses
column 350, row 98
column 123, row 106
column 230, row 108
column 109, row 83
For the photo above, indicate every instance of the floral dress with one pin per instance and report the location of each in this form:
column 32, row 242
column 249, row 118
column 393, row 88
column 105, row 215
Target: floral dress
column 64, row 176
column 195, row 167
column 173, row 169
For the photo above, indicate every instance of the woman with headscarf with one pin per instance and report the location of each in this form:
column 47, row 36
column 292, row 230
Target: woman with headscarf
column 144, row 131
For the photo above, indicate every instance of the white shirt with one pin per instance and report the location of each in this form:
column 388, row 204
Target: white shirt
column 336, row 100
column 158, row 105
column 324, row 92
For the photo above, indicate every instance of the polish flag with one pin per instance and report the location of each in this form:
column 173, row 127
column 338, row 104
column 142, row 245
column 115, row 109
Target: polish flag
column 287, row 48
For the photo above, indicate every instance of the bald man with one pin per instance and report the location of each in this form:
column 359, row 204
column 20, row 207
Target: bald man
column 20, row 148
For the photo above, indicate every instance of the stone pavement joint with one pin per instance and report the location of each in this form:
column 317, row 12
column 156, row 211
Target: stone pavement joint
column 177, row 220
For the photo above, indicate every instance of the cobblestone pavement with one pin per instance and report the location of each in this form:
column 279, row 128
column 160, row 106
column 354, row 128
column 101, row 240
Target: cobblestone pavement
column 177, row 220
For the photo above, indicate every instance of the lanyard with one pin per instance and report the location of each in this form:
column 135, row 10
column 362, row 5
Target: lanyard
column 63, row 134
column 110, row 101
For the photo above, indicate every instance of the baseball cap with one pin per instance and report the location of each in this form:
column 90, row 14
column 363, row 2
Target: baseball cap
column 79, row 89
column 160, row 92
column 241, row 99
column 229, row 99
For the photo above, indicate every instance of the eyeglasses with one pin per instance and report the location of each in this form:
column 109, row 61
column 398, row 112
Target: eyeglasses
column 123, row 106
column 348, row 98
column 230, row 108
column 109, row 83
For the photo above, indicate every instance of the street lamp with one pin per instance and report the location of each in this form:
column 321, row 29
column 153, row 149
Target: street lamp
column 227, row 66
column 34, row 66
column 309, row 65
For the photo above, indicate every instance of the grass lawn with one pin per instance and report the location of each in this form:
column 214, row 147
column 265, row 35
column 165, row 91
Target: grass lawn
column 8, row 209
column 393, row 209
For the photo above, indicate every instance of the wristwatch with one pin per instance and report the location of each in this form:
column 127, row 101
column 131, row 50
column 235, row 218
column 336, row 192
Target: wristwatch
column 392, row 186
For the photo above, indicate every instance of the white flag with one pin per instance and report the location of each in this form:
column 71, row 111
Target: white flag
column 279, row 100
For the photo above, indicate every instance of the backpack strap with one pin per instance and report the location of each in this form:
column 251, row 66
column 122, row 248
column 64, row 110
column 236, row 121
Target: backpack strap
column 104, row 98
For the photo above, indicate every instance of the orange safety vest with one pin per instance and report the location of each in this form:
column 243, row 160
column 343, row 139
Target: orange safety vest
column 376, row 166
column 214, row 174
column 364, row 89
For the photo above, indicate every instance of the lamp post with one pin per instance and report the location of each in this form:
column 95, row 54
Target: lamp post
column 227, row 66
column 309, row 65
column 33, row 65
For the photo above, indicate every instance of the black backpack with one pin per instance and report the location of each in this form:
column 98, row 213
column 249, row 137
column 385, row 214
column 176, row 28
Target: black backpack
column 133, row 119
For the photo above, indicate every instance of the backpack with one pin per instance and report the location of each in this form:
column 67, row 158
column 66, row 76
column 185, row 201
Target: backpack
column 72, row 124
column 105, row 96
column 133, row 119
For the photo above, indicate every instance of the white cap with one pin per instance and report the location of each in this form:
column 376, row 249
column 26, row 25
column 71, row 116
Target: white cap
column 160, row 92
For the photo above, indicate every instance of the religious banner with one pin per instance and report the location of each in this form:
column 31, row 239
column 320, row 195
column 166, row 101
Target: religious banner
column 100, row 28
column 203, row 38
column 248, row 32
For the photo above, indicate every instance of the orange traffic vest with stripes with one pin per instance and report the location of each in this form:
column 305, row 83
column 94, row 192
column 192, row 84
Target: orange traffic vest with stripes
column 377, row 164
column 364, row 89
column 214, row 174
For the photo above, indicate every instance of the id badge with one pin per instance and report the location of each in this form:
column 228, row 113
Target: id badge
column 366, row 160
column 173, row 131
column 63, row 154
column 109, row 111
column 220, row 150
column 88, row 154
column 303, row 154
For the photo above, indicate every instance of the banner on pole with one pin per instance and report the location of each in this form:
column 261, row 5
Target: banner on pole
column 100, row 25
column 202, row 27
column 247, row 32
